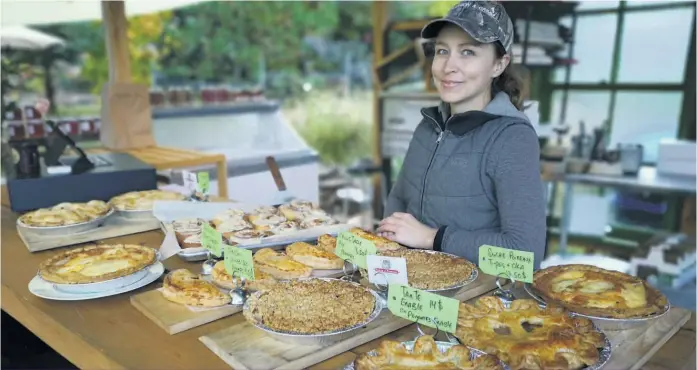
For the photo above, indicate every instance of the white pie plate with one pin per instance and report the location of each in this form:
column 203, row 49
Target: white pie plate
column 43, row 289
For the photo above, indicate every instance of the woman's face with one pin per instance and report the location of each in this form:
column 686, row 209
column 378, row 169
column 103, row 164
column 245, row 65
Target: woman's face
column 462, row 67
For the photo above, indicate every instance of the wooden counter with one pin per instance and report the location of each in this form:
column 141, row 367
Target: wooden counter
column 111, row 333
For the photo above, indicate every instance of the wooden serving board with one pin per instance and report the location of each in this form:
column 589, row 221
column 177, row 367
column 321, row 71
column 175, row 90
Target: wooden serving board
column 175, row 318
column 114, row 226
column 243, row 346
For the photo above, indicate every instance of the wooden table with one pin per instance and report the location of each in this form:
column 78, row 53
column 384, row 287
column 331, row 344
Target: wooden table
column 109, row 333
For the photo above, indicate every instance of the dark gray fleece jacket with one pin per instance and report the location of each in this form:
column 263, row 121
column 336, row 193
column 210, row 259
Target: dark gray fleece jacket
column 476, row 177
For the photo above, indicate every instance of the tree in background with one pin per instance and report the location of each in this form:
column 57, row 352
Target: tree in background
column 440, row 8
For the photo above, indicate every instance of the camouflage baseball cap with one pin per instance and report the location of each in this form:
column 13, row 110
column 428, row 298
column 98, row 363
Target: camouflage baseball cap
column 485, row 21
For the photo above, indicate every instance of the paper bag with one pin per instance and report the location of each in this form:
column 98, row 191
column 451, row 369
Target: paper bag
column 126, row 117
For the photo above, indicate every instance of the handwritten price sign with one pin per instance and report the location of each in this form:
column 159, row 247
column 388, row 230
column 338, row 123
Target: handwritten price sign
column 212, row 240
column 204, row 182
column 506, row 263
column 350, row 247
column 423, row 307
column 239, row 262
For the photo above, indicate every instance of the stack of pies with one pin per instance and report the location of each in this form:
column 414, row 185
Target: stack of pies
column 188, row 232
column 310, row 306
column 261, row 280
column 430, row 270
column 96, row 263
column 142, row 200
column 65, row 214
column 423, row 356
column 593, row 291
column 184, row 287
column 525, row 336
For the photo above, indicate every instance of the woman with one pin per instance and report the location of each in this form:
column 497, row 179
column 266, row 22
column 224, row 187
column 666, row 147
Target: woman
column 471, row 175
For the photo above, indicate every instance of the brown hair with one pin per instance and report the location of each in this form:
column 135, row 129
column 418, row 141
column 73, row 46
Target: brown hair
column 509, row 81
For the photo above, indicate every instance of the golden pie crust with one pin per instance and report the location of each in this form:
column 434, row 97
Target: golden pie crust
column 433, row 270
column 96, row 263
column 314, row 256
column 262, row 280
column 327, row 242
column 184, row 287
column 311, row 306
column 392, row 355
column 279, row 265
column 65, row 214
column 382, row 244
column 591, row 290
column 526, row 336
column 142, row 200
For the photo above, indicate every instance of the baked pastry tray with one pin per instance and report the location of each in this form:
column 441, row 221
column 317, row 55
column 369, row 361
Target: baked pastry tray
column 65, row 229
column 605, row 323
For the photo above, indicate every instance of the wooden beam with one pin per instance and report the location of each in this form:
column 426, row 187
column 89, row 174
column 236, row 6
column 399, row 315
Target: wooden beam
column 116, row 34
column 379, row 23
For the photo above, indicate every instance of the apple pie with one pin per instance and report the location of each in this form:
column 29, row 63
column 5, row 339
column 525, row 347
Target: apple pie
column 314, row 256
column 279, row 265
column 525, row 336
column 184, row 287
column 430, row 270
column 392, row 355
column 310, row 306
column 96, row 263
column 382, row 244
column 64, row 214
column 594, row 291
column 142, row 200
column 261, row 280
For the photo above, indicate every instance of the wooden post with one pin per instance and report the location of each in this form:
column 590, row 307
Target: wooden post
column 379, row 23
column 116, row 34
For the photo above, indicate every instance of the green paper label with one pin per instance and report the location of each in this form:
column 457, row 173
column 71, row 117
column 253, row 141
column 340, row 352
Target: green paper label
column 350, row 247
column 426, row 308
column 239, row 262
column 212, row 240
column 506, row 263
column 203, row 181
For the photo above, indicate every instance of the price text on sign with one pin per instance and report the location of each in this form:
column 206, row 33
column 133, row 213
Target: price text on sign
column 212, row 240
column 190, row 181
column 354, row 249
column 506, row 263
column 423, row 307
column 239, row 262
column 204, row 182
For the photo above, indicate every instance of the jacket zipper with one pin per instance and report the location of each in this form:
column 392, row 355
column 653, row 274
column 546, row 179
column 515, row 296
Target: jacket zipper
column 430, row 162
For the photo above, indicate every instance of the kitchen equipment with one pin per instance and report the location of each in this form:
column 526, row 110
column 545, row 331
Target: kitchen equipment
column 283, row 196
column 631, row 157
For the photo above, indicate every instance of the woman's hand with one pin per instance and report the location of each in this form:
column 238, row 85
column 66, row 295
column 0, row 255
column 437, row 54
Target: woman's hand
column 404, row 229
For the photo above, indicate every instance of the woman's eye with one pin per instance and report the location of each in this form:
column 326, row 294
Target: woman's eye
column 441, row 52
column 467, row 52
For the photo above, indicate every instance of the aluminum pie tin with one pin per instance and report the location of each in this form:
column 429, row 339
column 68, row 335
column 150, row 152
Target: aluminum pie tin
column 65, row 229
column 135, row 214
column 606, row 323
column 442, row 347
column 320, row 339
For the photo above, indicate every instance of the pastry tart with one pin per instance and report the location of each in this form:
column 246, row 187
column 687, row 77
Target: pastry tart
column 525, row 336
column 425, row 355
column 265, row 221
column 594, row 291
column 247, row 236
column 262, row 280
column 286, row 227
column 184, row 287
column 314, row 256
column 430, row 270
column 279, row 265
column 142, row 200
column 227, row 214
column 298, row 209
column 382, row 244
column 231, row 225
column 96, row 263
column 65, row 214
column 327, row 242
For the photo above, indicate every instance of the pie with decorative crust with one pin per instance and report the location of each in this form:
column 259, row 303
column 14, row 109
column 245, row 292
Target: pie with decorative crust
column 64, row 214
column 525, row 336
column 279, row 265
column 310, row 306
column 594, row 291
column 96, row 263
column 142, row 200
column 184, row 287
column 261, row 280
column 314, row 256
column 392, row 355
column 433, row 270
column 382, row 244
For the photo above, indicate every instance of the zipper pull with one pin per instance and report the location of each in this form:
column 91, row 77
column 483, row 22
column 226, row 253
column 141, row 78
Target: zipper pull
column 440, row 137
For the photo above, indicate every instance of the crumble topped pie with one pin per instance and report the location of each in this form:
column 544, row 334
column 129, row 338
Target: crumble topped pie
column 528, row 337
column 96, row 263
column 279, row 265
column 64, row 214
column 314, row 256
column 261, row 280
column 184, row 287
column 594, row 291
column 392, row 355
column 142, row 200
column 433, row 270
column 310, row 306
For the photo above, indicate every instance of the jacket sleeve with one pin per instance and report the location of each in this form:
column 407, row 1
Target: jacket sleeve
column 395, row 200
column 514, row 167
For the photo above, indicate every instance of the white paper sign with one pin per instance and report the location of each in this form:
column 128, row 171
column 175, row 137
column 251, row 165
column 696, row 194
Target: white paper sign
column 190, row 181
column 169, row 246
column 392, row 269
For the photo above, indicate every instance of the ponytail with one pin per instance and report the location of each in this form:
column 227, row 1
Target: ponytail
column 509, row 81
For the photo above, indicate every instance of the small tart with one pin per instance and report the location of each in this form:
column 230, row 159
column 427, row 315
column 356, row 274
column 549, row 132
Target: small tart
column 309, row 223
column 184, row 287
column 142, row 200
column 327, row 242
column 382, row 244
column 247, row 236
column 298, row 209
column 96, row 263
column 262, row 280
column 228, row 213
column 265, row 221
column 231, row 225
column 286, row 227
column 314, row 256
column 65, row 214
column 279, row 265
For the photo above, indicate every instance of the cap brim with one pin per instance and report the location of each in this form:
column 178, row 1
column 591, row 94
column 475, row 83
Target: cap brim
column 432, row 29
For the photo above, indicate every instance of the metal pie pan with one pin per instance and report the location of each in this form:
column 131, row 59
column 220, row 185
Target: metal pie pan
column 606, row 323
column 442, row 347
column 65, row 229
column 321, row 339
column 135, row 214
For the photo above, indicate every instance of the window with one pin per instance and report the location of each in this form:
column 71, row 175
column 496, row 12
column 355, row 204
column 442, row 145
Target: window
column 593, row 47
column 593, row 5
column 654, row 46
column 589, row 107
column 640, row 3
